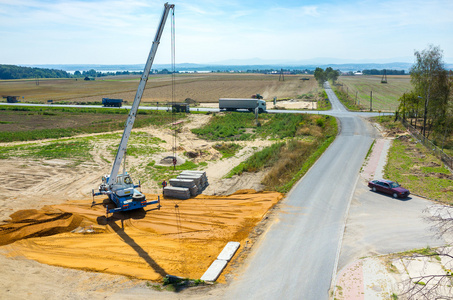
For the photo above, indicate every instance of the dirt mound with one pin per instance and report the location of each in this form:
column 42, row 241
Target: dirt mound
column 37, row 223
column 182, row 238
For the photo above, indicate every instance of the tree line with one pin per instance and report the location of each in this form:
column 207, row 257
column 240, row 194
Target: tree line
column 17, row 72
column 322, row 75
column 381, row 72
column 431, row 99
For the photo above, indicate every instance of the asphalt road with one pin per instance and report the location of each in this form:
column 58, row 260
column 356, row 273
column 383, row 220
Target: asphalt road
column 338, row 109
column 379, row 224
column 297, row 257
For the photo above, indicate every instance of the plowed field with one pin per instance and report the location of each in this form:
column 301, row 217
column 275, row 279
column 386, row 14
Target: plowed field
column 200, row 87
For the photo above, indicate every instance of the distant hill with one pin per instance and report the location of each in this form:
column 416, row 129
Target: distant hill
column 228, row 67
column 344, row 67
column 18, row 72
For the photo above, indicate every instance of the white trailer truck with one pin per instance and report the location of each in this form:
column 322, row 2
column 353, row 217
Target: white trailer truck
column 233, row 104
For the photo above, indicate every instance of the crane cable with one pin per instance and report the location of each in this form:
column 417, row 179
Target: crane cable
column 173, row 117
column 173, row 71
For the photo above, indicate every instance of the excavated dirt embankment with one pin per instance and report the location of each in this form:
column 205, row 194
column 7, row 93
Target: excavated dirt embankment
column 182, row 238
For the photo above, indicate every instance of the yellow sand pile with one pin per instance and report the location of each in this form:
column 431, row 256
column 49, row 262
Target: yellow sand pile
column 182, row 238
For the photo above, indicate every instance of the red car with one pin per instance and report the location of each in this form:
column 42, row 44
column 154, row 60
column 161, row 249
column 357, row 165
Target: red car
column 388, row 187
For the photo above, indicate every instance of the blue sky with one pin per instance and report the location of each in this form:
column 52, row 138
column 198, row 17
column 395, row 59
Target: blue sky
column 121, row 31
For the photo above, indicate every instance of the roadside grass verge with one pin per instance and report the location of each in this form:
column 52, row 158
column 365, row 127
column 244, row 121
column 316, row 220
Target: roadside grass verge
column 346, row 100
column 415, row 168
column 286, row 162
column 294, row 176
column 259, row 160
column 324, row 103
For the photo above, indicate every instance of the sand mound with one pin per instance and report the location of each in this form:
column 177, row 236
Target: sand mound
column 36, row 223
column 182, row 238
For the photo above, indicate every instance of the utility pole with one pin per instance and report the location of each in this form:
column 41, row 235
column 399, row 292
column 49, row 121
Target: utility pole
column 371, row 101
column 426, row 112
column 282, row 76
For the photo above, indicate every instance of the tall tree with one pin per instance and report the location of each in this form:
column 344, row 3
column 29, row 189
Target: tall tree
column 428, row 76
column 320, row 75
column 332, row 74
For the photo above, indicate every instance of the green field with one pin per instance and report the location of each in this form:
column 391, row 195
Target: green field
column 35, row 123
column 385, row 96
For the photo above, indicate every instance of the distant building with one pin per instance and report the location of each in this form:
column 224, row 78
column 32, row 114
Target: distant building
column 358, row 73
column 11, row 99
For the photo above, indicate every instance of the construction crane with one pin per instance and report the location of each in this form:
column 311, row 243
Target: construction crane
column 119, row 187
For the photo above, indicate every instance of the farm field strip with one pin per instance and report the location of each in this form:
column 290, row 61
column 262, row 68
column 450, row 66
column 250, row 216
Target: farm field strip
column 385, row 96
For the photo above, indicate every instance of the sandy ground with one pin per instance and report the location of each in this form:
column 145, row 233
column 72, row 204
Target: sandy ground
column 287, row 104
column 140, row 244
column 31, row 184
column 44, row 200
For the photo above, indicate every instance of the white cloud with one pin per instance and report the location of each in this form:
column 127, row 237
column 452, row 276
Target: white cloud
column 102, row 31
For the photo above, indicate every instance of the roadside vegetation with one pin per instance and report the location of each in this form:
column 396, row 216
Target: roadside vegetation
column 300, row 140
column 429, row 105
column 429, row 118
column 324, row 103
column 346, row 100
column 242, row 126
column 416, row 167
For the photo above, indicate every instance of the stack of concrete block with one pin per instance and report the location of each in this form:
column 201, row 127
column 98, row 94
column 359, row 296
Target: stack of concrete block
column 187, row 183
column 177, row 192
column 200, row 178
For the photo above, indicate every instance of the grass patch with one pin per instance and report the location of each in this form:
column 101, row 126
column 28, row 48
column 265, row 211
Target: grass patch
column 241, row 126
column 227, row 149
column 227, row 127
column 176, row 284
column 370, row 150
column 157, row 173
column 71, row 149
column 428, row 251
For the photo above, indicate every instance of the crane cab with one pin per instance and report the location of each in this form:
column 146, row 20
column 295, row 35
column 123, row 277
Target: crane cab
column 123, row 193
